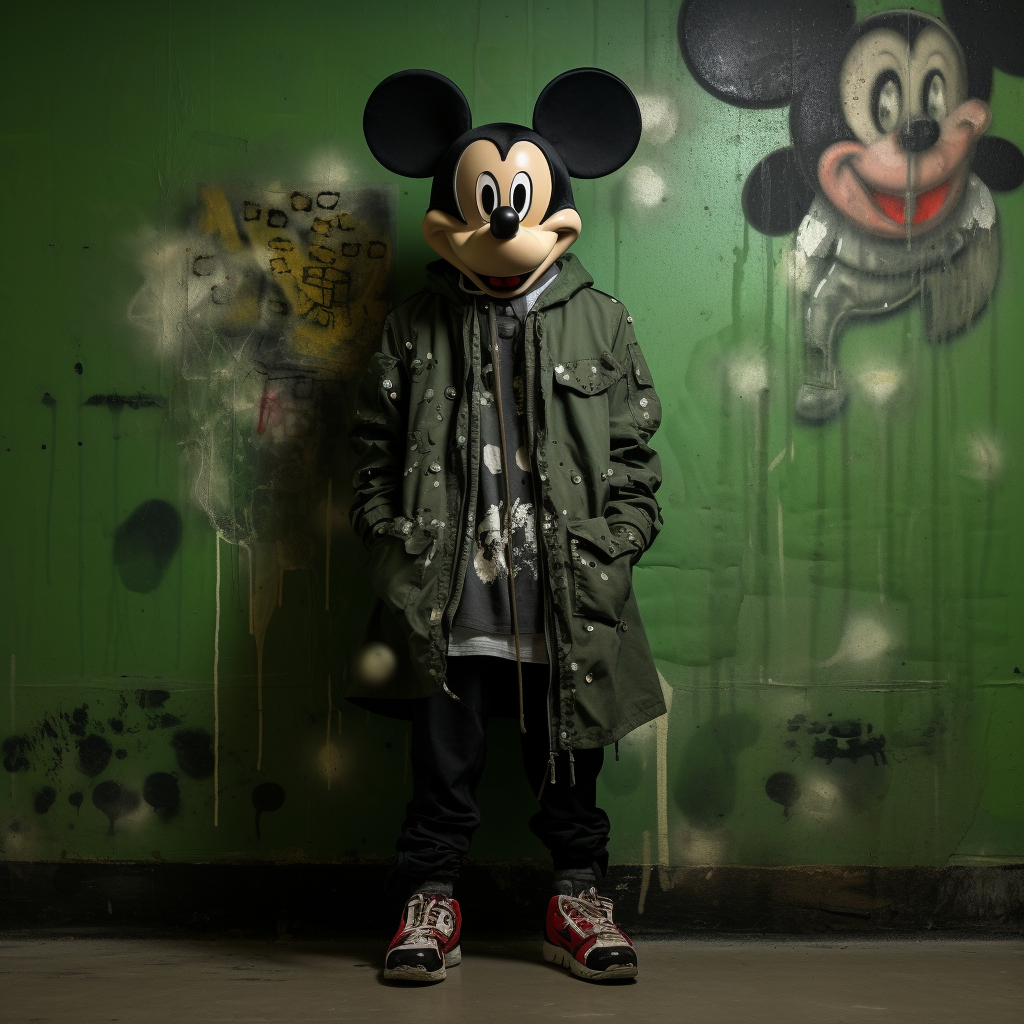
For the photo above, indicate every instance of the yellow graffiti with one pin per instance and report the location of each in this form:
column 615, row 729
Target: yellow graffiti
column 329, row 271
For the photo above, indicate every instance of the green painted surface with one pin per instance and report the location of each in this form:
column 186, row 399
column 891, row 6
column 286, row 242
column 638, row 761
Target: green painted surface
column 864, row 572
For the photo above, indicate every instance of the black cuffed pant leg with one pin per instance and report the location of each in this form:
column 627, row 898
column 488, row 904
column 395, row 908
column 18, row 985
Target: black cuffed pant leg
column 449, row 740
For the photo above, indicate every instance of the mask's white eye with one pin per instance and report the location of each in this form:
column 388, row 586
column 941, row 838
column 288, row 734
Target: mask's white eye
column 935, row 95
column 888, row 103
column 521, row 194
column 487, row 195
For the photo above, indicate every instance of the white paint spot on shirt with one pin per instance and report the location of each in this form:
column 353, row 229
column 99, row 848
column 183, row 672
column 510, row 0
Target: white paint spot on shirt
column 492, row 458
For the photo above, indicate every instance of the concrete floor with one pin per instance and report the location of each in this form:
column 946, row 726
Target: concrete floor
column 749, row 981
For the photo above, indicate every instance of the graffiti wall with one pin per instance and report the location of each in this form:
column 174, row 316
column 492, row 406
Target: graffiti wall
column 819, row 240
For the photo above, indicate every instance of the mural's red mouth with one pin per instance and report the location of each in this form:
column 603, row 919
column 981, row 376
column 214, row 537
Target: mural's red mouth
column 928, row 204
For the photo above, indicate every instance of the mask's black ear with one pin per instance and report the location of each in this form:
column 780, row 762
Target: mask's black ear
column 412, row 118
column 591, row 118
column 757, row 53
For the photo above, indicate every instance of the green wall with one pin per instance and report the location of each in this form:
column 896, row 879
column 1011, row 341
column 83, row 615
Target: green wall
column 866, row 573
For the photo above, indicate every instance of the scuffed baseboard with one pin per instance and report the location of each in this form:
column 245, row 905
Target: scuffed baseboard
column 340, row 900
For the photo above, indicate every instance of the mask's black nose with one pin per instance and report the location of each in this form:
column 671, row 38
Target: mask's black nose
column 920, row 134
column 504, row 222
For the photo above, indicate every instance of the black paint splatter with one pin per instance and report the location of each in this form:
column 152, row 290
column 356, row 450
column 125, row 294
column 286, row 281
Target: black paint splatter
column 78, row 720
column 15, row 748
column 782, row 787
column 44, row 799
column 855, row 748
column 116, row 724
column 845, row 730
column 267, row 796
column 169, row 721
column 114, row 801
column 160, row 791
column 76, row 801
column 151, row 698
column 193, row 749
column 144, row 545
column 794, row 723
column 136, row 401
column 79, row 369
column 120, row 753
column 93, row 755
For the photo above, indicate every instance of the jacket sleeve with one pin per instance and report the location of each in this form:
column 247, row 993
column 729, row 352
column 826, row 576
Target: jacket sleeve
column 377, row 436
column 634, row 412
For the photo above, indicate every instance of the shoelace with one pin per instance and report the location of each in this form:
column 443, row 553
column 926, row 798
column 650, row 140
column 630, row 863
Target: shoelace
column 427, row 911
column 597, row 910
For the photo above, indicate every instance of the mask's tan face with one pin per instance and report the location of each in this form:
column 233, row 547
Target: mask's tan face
column 915, row 128
column 503, row 247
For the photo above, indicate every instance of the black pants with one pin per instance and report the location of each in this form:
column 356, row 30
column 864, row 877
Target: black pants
column 448, row 754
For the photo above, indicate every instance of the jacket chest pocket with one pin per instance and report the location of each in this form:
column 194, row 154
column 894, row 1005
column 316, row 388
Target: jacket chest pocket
column 601, row 570
column 590, row 376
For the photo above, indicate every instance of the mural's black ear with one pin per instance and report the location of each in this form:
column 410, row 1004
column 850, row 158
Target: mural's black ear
column 756, row 53
column 999, row 163
column 410, row 120
column 776, row 195
column 992, row 30
column 591, row 118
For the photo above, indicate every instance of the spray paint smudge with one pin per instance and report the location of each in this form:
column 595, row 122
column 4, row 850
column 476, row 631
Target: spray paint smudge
column 267, row 796
column 193, row 749
column 115, row 801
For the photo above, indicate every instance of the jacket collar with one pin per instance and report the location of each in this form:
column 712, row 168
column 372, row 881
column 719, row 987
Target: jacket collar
column 443, row 279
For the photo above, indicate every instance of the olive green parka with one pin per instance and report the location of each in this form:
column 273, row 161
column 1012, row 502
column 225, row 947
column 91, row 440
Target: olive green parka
column 591, row 409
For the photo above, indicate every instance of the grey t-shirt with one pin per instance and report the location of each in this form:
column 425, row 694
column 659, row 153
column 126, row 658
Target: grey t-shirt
column 483, row 620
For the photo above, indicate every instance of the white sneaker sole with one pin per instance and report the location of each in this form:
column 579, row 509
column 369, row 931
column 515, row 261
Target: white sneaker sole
column 563, row 958
column 451, row 959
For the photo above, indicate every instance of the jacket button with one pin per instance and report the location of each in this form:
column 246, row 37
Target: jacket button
column 449, row 392
column 590, row 628
column 643, row 403
column 386, row 383
column 559, row 368
column 590, row 677
column 572, row 665
column 435, row 467
column 604, row 575
column 461, row 439
column 576, row 478
column 629, row 319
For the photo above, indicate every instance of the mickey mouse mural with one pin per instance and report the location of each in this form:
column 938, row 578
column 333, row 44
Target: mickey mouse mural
column 887, row 181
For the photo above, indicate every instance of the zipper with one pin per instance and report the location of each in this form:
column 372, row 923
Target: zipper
column 467, row 512
column 530, row 345
column 492, row 326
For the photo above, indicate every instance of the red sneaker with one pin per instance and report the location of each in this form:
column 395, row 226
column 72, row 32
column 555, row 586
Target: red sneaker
column 581, row 935
column 427, row 940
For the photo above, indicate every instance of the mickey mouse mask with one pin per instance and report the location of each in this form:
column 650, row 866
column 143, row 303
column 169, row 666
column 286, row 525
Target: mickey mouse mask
column 501, row 206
